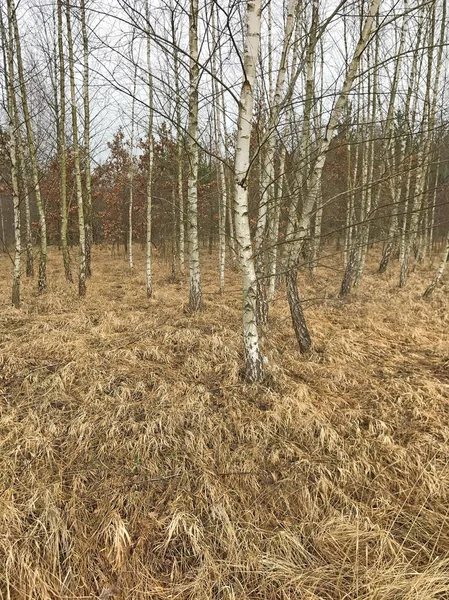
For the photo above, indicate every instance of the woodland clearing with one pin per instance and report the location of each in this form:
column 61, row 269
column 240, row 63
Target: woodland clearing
column 135, row 463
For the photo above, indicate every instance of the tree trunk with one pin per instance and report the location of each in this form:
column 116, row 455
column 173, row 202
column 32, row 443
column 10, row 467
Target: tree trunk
column 267, row 167
column 8, row 63
column 150, row 161
column 438, row 275
column 2, row 227
column 427, row 126
column 273, row 227
column 42, row 276
column 298, row 319
column 131, row 176
column 253, row 357
column 62, row 151
column 229, row 187
column 195, row 300
column 298, row 229
column 76, row 160
column 302, row 225
column 26, row 197
column 87, row 176
column 389, row 245
column 221, row 178
column 348, row 276
column 368, row 163
column 316, row 239
column 389, row 146
column 179, row 150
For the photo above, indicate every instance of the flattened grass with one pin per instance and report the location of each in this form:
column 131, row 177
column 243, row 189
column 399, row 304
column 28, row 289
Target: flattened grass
column 134, row 463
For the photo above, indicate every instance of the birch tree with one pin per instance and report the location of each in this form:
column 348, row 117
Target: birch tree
column 195, row 300
column 228, row 174
column 149, row 190
column 253, row 359
column 423, row 152
column 445, row 254
column 62, row 149
column 179, row 150
column 301, row 226
column 8, row 62
column 23, row 172
column 2, row 228
column 221, row 176
column 368, row 159
column 86, row 157
column 131, row 174
column 42, row 276
column 76, row 160
column 389, row 144
column 267, row 167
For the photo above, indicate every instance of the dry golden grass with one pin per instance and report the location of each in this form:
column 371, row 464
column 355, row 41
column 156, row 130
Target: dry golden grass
column 134, row 463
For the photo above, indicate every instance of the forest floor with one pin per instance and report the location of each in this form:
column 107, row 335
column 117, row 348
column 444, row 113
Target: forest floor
column 134, row 463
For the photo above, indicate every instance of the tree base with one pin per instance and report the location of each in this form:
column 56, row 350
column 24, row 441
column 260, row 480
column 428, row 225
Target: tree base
column 296, row 312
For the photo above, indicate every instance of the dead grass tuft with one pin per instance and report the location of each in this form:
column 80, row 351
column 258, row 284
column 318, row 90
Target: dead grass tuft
column 134, row 463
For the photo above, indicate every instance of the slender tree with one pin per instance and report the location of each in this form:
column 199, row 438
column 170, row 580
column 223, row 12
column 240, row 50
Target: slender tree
column 228, row 181
column 221, row 176
column 302, row 224
column 86, row 154
column 42, row 277
column 131, row 174
column 389, row 144
column 423, row 154
column 179, row 149
column 8, row 62
column 267, row 167
column 62, row 149
column 22, row 172
column 195, row 301
column 150, row 159
column 2, row 227
column 76, row 160
column 253, row 359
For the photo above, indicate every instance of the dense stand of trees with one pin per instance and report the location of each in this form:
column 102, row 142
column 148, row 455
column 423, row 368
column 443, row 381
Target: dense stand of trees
column 262, row 133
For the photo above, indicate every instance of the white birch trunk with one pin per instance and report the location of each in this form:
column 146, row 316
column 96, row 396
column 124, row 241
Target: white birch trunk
column 195, row 300
column 273, row 227
column 76, row 160
column 62, row 150
column 317, row 232
column 87, row 175
column 253, row 358
column 42, row 277
column 389, row 147
column 229, row 186
column 2, row 227
column 150, row 162
column 406, row 184
column 439, row 274
column 368, row 168
column 351, row 251
column 432, row 210
column 219, row 143
column 302, row 225
column 267, row 164
column 310, row 200
column 316, row 239
column 8, row 63
column 131, row 177
column 179, row 150
column 427, row 125
column 26, row 198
